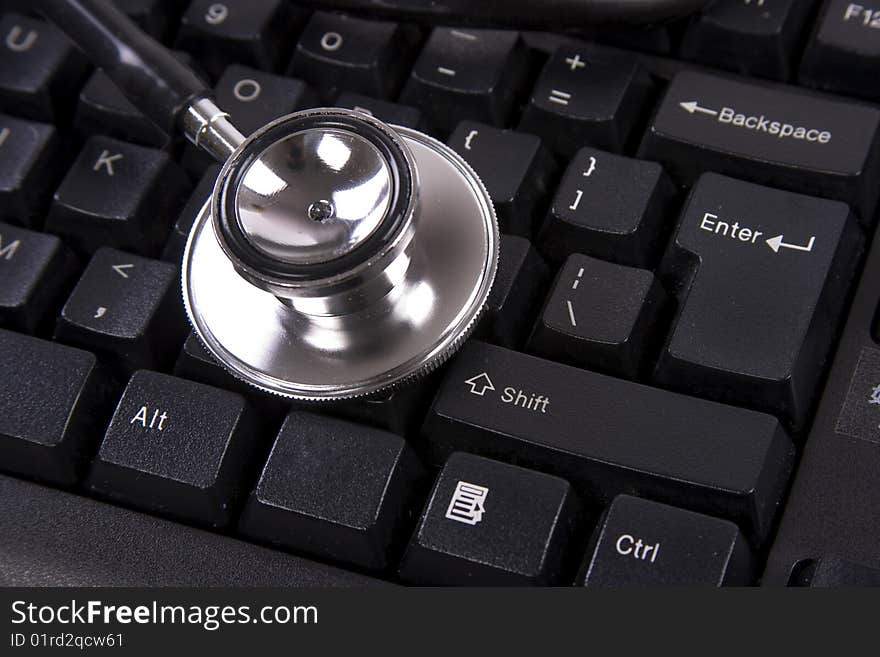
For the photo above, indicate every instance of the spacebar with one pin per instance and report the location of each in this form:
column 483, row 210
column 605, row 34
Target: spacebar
column 53, row 538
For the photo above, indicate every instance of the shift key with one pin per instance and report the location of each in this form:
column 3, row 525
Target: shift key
column 609, row 436
column 770, row 134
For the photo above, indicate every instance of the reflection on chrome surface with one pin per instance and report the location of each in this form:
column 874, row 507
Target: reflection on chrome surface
column 314, row 196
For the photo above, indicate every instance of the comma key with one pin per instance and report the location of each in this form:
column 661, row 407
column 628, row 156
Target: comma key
column 127, row 309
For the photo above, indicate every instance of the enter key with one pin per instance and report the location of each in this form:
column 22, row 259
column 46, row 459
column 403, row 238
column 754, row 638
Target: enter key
column 761, row 277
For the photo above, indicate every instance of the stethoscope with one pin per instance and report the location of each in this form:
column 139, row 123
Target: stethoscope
column 338, row 256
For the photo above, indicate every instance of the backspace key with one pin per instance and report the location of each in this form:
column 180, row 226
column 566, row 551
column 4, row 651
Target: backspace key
column 769, row 134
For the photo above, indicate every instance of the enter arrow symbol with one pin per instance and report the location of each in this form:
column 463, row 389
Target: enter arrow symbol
column 480, row 384
column 693, row 106
column 776, row 243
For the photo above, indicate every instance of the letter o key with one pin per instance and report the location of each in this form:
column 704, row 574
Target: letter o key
column 247, row 90
column 331, row 41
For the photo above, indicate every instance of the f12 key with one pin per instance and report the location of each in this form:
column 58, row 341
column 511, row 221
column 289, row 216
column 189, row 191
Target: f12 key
column 844, row 53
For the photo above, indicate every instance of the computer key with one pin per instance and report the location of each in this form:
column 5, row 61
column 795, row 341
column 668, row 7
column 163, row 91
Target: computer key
column 40, row 69
column 258, row 33
column 601, row 316
column 31, row 163
column 126, row 308
column 153, row 16
column 514, row 167
column 657, row 39
column 58, row 538
column 761, row 277
column 35, row 273
column 516, row 293
column 639, row 543
column 609, row 436
column 611, row 207
column 586, row 99
column 832, row 571
column 843, row 54
column 770, row 134
column 103, row 109
column 399, row 411
column 196, row 364
column 489, row 523
column 176, row 242
column 253, row 98
column 118, row 194
column 177, row 448
column 468, row 74
column 337, row 52
column 392, row 113
column 52, row 407
column 753, row 38
column 336, row 489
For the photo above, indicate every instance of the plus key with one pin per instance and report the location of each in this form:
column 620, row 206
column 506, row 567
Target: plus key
column 585, row 98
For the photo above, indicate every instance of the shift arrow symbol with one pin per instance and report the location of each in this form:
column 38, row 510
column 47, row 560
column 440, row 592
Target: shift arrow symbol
column 776, row 243
column 692, row 106
column 480, row 384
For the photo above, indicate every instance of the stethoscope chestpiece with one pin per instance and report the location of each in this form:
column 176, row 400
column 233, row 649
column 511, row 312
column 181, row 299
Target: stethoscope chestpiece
column 339, row 257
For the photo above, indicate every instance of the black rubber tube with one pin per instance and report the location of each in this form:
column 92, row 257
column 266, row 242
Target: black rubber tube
column 563, row 15
column 150, row 76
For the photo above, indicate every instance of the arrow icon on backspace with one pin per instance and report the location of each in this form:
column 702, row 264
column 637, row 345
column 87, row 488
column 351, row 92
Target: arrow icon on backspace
column 776, row 243
column 480, row 384
column 693, row 106
column 120, row 269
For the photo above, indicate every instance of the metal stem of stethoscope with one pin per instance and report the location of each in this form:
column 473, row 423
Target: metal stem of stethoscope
column 211, row 129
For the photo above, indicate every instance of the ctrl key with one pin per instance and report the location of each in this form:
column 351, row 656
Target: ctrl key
column 646, row 544
column 489, row 523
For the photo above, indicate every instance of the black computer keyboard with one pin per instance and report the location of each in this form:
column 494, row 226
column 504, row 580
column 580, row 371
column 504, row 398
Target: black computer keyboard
column 677, row 380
